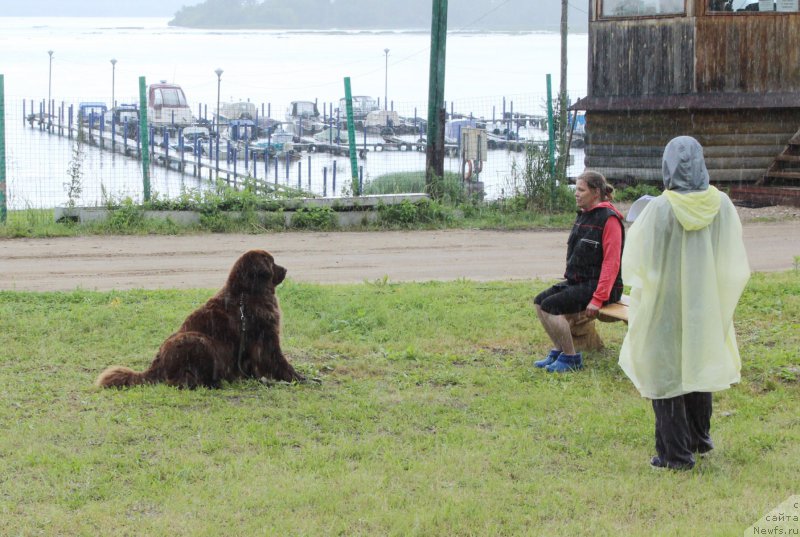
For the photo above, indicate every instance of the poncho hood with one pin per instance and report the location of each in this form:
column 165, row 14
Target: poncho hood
column 683, row 166
column 694, row 210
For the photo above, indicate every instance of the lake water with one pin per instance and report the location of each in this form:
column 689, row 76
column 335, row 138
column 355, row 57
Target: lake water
column 485, row 75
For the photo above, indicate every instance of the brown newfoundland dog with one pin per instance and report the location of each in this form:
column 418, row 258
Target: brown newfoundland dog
column 236, row 334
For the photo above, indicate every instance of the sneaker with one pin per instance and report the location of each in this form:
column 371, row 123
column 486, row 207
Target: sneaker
column 552, row 357
column 566, row 362
column 658, row 463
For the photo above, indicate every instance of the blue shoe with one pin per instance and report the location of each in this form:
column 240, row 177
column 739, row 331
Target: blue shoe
column 552, row 357
column 566, row 362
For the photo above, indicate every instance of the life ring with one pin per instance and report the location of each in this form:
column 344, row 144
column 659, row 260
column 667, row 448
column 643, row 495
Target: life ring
column 466, row 169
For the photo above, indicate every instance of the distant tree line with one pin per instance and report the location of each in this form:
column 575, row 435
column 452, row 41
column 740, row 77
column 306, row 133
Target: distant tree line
column 513, row 15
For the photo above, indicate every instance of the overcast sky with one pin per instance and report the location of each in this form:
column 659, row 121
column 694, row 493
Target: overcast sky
column 549, row 13
column 89, row 8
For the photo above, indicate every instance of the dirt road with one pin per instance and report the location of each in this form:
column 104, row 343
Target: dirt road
column 159, row 262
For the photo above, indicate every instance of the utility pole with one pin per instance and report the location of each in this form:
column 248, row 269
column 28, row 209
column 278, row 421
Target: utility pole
column 562, row 96
column 219, row 72
column 434, row 153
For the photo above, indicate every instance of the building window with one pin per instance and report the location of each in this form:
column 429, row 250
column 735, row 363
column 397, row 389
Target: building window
column 753, row 6
column 641, row 8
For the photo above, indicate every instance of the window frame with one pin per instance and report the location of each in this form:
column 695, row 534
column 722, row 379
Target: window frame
column 709, row 12
column 601, row 16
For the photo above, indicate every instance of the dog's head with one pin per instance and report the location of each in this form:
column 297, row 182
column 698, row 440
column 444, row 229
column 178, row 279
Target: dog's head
column 255, row 272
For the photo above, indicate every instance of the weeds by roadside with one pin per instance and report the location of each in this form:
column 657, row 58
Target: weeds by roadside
column 532, row 203
column 224, row 209
column 74, row 187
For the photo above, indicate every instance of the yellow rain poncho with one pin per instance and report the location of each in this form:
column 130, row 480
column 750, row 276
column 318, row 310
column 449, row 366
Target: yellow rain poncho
column 685, row 262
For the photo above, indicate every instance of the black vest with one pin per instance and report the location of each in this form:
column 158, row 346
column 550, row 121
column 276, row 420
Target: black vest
column 585, row 248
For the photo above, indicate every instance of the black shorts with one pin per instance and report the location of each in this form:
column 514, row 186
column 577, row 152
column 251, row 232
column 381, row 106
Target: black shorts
column 564, row 298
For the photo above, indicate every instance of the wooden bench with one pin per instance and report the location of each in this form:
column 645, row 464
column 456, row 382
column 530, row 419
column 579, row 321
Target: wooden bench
column 584, row 335
column 618, row 311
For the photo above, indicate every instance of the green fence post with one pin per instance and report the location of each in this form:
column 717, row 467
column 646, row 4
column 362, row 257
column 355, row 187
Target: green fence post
column 551, row 141
column 437, row 114
column 351, row 136
column 144, row 138
column 3, row 207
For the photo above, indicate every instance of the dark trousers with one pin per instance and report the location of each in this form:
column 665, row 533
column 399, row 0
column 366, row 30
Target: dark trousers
column 683, row 426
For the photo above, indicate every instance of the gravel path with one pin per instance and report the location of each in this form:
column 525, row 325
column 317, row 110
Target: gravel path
column 203, row 261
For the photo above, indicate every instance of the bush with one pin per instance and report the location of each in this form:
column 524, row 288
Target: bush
column 403, row 214
column 274, row 221
column 317, row 218
column 450, row 188
column 251, row 195
column 534, row 184
column 406, row 214
column 216, row 203
column 126, row 218
column 636, row 191
column 396, row 183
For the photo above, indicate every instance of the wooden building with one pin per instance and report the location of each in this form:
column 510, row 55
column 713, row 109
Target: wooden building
column 722, row 71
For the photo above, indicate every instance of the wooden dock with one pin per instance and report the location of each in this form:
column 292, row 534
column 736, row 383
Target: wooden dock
column 233, row 170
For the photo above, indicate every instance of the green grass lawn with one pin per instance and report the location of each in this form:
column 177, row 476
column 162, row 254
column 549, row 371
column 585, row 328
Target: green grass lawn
column 430, row 420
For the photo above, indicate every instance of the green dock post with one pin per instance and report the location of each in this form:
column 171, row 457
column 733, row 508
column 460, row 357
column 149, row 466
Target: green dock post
column 351, row 136
column 144, row 138
column 3, row 207
column 551, row 142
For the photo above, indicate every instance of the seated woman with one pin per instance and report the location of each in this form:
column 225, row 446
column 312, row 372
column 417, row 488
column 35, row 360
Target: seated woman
column 594, row 250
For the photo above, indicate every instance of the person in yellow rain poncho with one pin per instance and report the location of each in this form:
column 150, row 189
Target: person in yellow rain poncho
column 685, row 262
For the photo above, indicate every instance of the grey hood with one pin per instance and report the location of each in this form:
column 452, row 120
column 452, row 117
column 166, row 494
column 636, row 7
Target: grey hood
column 683, row 166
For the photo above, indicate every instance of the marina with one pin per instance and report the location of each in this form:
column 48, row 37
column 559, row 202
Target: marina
column 307, row 73
column 242, row 145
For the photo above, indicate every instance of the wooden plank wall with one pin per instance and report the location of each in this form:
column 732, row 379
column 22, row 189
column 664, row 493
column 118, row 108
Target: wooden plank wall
column 642, row 57
column 739, row 145
column 748, row 53
column 696, row 55
column 733, row 53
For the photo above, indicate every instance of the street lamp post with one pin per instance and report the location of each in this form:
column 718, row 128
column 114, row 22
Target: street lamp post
column 113, row 81
column 49, row 85
column 113, row 101
column 219, row 83
column 386, row 81
column 218, row 71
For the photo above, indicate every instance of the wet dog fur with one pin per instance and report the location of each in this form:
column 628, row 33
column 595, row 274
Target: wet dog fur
column 235, row 335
